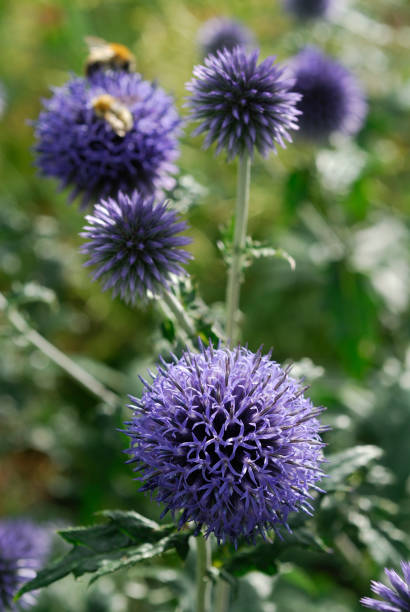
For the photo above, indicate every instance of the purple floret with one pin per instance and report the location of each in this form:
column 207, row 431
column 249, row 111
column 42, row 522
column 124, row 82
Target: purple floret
column 83, row 151
column 222, row 33
column 332, row 98
column 133, row 243
column 397, row 598
column 228, row 438
column 242, row 105
column 308, row 9
column 24, row 547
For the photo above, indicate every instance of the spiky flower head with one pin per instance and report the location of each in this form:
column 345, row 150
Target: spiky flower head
column 332, row 98
column 24, row 547
column 222, row 33
column 227, row 437
column 108, row 132
column 133, row 243
column 309, row 9
column 395, row 599
column 242, row 105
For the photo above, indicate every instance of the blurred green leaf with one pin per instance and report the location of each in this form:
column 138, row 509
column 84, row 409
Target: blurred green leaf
column 264, row 556
column 344, row 464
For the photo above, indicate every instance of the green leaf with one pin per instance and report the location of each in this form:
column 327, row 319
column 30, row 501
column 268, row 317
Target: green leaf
column 126, row 538
column 168, row 330
column 344, row 464
column 253, row 250
column 31, row 292
column 264, row 556
column 258, row 250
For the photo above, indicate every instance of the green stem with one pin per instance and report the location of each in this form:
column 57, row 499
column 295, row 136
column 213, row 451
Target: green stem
column 65, row 363
column 239, row 240
column 203, row 564
column 179, row 313
column 222, row 596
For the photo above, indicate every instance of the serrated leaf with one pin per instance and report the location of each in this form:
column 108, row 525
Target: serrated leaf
column 344, row 464
column 253, row 250
column 126, row 538
column 258, row 250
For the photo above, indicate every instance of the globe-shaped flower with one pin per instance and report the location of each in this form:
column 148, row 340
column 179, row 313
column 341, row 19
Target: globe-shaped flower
column 242, row 105
column 395, row 599
column 109, row 132
column 24, row 547
column 332, row 99
column 309, row 9
column 222, row 33
column 227, row 437
column 133, row 243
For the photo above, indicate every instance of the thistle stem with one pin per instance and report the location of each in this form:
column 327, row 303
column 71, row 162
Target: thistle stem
column 203, row 564
column 179, row 313
column 222, row 596
column 58, row 357
column 239, row 240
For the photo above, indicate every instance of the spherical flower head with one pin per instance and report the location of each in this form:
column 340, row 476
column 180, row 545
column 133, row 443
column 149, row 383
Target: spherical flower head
column 395, row 599
column 108, row 132
column 332, row 99
column 227, row 437
column 242, row 105
column 309, row 9
column 133, row 243
column 24, row 547
column 222, row 33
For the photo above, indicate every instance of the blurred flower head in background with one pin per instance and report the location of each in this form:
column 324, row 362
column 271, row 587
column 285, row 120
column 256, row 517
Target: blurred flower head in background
column 109, row 132
column 395, row 599
column 133, row 243
column 332, row 98
column 222, row 33
column 309, row 9
column 24, row 547
column 227, row 437
column 242, row 105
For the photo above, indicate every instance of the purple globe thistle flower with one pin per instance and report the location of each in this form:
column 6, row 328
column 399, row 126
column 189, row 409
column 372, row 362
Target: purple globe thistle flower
column 308, row 9
column 24, row 547
column 242, row 105
column 109, row 132
column 133, row 243
column 227, row 437
column 332, row 99
column 396, row 599
column 222, row 33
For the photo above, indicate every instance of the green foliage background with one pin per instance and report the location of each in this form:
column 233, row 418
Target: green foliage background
column 340, row 211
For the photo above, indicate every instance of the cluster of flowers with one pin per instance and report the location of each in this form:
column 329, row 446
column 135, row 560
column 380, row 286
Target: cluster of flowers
column 331, row 99
column 225, row 437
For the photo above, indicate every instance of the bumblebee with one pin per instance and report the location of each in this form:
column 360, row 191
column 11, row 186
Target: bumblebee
column 114, row 113
column 103, row 54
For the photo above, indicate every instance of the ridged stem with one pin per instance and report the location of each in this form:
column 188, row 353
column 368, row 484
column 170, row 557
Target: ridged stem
column 179, row 313
column 58, row 357
column 239, row 240
column 203, row 564
column 222, row 596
